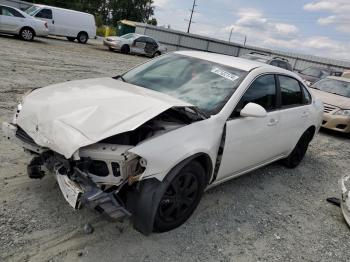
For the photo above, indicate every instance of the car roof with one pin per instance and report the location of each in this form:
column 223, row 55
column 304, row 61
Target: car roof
column 339, row 78
column 236, row 62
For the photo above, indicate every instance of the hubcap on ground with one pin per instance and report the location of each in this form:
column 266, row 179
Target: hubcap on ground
column 179, row 197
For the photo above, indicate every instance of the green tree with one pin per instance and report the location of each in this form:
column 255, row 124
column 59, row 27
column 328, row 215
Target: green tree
column 108, row 11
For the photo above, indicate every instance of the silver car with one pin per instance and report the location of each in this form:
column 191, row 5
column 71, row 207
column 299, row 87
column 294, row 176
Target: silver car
column 135, row 44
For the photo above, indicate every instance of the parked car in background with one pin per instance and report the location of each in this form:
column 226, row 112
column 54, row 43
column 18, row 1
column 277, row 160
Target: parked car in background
column 64, row 22
column 313, row 74
column 335, row 94
column 146, row 144
column 346, row 74
column 15, row 22
column 271, row 60
column 135, row 44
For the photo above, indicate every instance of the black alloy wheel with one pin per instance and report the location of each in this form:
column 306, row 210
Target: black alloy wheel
column 180, row 198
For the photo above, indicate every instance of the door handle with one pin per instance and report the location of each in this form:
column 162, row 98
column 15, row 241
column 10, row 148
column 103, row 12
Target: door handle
column 53, row 21
column 272, row 122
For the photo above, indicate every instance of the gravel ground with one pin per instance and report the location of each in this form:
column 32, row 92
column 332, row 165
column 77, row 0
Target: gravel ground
column 271, row 214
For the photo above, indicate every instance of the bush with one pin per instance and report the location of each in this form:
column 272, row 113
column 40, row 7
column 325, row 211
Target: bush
column 105, row 31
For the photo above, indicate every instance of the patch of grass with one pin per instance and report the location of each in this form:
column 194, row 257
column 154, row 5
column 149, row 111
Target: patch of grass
column 105, row 31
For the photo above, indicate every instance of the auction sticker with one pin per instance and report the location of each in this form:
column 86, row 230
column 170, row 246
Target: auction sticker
column 224, row 74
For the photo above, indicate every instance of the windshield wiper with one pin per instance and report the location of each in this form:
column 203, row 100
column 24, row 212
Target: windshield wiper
column 119, row 77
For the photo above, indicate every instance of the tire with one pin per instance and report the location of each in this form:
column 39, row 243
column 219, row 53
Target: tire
column 71, row 39
column 83, row 38
column 27, row 34
column 299, row 151
column 125, row 49
column 181, row 197
column 156, row 54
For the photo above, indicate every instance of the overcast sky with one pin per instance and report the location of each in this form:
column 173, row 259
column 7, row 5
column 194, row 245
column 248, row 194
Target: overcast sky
column 318, row 27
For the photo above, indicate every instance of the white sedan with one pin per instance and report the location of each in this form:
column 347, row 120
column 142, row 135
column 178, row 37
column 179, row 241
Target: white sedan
column 135, row 44
column 15, row 22
column 147, row 144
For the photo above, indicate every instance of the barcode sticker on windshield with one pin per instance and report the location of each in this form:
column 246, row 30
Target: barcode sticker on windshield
column 224, row 73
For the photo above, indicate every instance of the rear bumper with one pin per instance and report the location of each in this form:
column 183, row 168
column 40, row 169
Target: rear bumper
column 42, row 32
column 337, row 123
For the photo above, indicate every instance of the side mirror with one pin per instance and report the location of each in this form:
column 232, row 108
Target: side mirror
column 253, row 110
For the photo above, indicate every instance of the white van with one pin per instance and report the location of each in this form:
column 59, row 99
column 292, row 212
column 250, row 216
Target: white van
column 64, row 22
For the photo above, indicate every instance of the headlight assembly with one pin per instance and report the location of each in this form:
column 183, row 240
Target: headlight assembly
column 343, row 112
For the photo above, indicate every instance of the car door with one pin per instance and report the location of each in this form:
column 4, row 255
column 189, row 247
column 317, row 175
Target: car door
column 139, row 45
column 151, row 46
column 46, row 15
column 295, row 110
column 11, row 20
column 251, row 141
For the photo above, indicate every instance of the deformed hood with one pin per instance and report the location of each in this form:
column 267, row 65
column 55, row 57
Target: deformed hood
column 67, row 116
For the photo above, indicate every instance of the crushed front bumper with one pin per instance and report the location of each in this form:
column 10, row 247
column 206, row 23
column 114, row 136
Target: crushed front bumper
column 76, row 186
column 110, row 44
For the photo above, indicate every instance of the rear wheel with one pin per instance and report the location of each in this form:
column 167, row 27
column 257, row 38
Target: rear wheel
column 299, row 151
column 181, row 198
column 27, row 34
column 83, row 38
column 125, row 49
column 71, row 39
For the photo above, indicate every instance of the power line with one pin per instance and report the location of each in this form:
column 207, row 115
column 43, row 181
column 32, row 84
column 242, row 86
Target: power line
column 192, row 11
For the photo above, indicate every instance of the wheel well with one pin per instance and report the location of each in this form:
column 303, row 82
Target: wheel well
column 27, row 27
column 83, row 32
column 312, row 130
column 206, row 163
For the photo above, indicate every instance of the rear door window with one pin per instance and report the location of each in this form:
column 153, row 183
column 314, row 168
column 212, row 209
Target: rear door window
column 291, row 94
column 44, row 13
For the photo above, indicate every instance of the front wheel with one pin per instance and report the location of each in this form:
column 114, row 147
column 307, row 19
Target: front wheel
column 299, row 151
column 180, row 198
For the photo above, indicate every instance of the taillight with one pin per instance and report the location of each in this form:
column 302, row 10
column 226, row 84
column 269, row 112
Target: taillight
column 46, row 25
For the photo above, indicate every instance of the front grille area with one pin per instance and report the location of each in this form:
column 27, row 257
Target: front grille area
column 329, row 108
column 22, row 135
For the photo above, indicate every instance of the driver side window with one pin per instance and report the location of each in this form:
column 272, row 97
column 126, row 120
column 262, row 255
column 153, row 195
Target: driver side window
column 262, row 92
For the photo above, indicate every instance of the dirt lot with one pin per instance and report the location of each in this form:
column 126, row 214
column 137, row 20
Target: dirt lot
column 272, row 214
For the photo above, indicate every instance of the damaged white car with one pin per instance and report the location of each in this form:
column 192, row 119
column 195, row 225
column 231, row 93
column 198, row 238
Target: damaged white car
column 148, row 143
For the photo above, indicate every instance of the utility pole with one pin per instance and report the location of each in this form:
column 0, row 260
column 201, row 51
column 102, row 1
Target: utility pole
column 229, row 40
column 192, row 11
column 245, row 40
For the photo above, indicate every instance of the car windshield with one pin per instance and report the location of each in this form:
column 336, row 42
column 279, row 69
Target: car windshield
column 333, row 86
column 204, row 84
column 316, row 72
column 255, row 58
column 128, row 36
column 32, row 10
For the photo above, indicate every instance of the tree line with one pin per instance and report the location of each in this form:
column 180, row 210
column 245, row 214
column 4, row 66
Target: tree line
column 108, row 12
